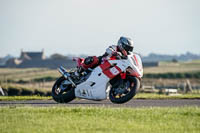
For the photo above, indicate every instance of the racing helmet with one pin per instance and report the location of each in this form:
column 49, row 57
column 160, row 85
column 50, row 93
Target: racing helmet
column 125, row 44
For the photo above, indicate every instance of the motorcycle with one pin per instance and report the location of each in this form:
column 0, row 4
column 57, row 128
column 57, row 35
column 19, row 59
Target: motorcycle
column 116, row 79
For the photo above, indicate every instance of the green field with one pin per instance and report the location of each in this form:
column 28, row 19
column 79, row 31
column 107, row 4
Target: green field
column 100, row 120
column 28, row 74
column 170, row 67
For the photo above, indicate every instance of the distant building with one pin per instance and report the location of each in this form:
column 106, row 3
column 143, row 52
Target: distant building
column 1, row 62
column 13, row 62
column 38, row 60
column 5, row 59
column 32, row 55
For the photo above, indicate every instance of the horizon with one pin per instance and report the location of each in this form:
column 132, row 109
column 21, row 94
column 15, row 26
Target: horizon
column 65, row 54
column 76, row 55
column 89, row 27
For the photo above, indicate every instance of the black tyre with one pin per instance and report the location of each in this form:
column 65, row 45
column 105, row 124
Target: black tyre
column 62, row 96
column 121, row 95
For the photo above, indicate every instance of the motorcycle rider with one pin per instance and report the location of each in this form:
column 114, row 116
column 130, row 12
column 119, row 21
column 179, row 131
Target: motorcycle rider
column 119, row 51
column 123, row 48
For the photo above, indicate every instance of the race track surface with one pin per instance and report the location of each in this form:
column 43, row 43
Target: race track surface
column 106, row 103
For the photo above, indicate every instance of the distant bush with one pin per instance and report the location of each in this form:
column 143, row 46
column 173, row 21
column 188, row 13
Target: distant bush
column 58, row 56
column 20, row 91
column 48, row 93
column 12, row 91
column 26, row 92
column 22, row 81
column 197, row 75
column 48, row 78
column 180, row 75
column 39, row 93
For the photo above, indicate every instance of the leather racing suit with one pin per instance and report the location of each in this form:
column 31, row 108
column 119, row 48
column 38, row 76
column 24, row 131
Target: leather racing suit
column 112, row 52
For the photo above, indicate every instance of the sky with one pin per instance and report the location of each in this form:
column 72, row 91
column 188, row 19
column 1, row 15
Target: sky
column 90, row 26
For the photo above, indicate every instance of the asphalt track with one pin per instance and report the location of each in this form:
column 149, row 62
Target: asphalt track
column 106, row 103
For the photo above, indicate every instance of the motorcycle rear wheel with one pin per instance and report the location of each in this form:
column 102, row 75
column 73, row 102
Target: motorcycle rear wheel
column 65, row 96
column 134, row 86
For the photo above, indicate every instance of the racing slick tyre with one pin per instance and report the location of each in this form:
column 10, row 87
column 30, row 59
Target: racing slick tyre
column 61, row 95
column 125, row 92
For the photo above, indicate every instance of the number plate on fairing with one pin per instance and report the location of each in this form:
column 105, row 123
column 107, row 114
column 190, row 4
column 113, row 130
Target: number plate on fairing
column 114, row 71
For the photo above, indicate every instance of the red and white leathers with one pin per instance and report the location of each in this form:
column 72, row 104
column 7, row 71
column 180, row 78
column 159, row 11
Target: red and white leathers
column 115, row 52
column 112, row 52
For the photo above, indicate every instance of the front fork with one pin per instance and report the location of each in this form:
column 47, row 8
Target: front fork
column 66, row 75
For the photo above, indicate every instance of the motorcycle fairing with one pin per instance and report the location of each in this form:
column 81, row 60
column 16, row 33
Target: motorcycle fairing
column 110, row 70
column 94, row 87
column 135, row 63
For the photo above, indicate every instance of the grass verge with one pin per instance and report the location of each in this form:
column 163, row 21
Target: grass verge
column 12, row 98
column 138, row 96
column 101, row 120
column 163, row 96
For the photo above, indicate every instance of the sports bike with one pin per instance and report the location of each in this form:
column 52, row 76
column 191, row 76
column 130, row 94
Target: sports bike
column 115, row 79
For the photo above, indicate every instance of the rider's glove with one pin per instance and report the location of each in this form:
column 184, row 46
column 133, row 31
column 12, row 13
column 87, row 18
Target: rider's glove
column 111, row 50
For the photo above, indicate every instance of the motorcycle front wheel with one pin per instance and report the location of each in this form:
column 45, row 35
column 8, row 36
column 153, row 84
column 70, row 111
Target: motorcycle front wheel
column 62, row 93
column 124, row 91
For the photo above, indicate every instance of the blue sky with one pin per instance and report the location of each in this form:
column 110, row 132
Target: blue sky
column 90, row 26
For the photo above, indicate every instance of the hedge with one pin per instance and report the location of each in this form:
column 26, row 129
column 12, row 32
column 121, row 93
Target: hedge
column 173, row 75
column 19, row 91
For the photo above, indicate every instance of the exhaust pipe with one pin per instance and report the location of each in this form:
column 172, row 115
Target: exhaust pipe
column 64, row 72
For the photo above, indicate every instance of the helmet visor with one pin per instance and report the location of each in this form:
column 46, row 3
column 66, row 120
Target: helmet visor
column 127, row 47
